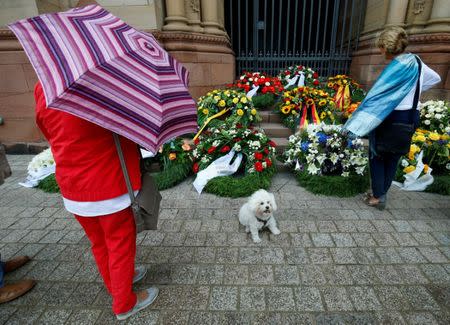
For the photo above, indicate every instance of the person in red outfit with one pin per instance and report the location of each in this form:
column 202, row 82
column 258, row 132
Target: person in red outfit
column 93, row 188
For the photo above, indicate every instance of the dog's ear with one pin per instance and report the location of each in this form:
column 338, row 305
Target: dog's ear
column 274, row 204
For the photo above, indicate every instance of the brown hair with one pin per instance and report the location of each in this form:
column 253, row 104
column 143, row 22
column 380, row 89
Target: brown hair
column 393, row 39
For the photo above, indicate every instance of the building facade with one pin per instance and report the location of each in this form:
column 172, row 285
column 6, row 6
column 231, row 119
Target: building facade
column 193, row 32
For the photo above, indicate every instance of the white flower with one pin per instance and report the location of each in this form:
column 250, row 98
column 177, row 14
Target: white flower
column 427, row 122
column 237, row 147
column 345, row 174
column 312, row 169
column 405, row 163
column 320, row 159
column 438, row 116
column 267, row 83
column 447, row 166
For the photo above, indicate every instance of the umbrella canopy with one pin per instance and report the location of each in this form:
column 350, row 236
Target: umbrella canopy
column 93, row 65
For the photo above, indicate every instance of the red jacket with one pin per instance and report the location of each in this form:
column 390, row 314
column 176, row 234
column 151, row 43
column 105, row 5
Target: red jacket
column 87, row 163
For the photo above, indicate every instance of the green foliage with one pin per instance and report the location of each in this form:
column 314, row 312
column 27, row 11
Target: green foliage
column 231, row 186
column 263, row 100
column 333, row 185
column 49, row 184
column 172, row 176
column 441, row 185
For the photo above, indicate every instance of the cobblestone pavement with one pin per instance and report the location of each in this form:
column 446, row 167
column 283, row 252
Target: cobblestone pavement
column 336, row 260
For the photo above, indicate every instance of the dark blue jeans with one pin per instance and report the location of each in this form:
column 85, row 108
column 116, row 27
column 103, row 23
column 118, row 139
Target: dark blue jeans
column 383, row 166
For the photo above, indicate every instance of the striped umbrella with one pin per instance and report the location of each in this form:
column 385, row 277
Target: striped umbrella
column 93, row 65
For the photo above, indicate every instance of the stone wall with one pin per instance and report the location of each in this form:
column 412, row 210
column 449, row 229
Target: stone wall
column 428, row 25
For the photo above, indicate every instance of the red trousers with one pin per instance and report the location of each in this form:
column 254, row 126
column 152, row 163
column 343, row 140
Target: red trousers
column 113, row 243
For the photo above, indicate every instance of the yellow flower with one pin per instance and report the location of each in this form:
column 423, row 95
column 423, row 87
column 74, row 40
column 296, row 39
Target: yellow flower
column 172, row 156
column 445, row 137
column 323, row 115
column 222, row 103
column 409, row 169
column 294, row 112
column 322, row 102
column 288, row 102
column 253, row 111
column 286, row 109
column 310, row 101
column 240, row 112
column 414, row 148
column 330, row 85
column 205, row 111
column 216, row 98
column 434, row 136
column 419, row 138
column 235, row 100
column 244, row 99
column 425, row 168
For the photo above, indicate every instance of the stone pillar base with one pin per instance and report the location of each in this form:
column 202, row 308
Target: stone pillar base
column 208, row 58
column 433, row 49
column 5, row 170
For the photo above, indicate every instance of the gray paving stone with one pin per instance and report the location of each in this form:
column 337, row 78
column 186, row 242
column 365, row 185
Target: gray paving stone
column 390, row 318
column 297, row 319
column 435, row 273
column 280, row 299
column 389, row 255
column 420, row 318
column 411, row 274
column 308, row 299
column 392, row 298
column 204, row 318
column 402, row 226
column 384, row 239
column 195, row 239
column 411, row 255
column 424, row 238
column 227, row 255
column 319, row 256
column 433, row 255
column 174, row 318
column 362, row 274
column 210, row 274
column 363, row 239
column 216, row 239
column 342, row 256
column 311, row 275
column 250, row 255
column 26, row 315
column 420, row 298
column 301, row 240
column 322, row 240
column 326, row 226
column 336, row 299
column 343, row 240
column 404, row 239
column 224, row 298
column 205, row 255
column 286, row 274
column 365, row 255
column 346, row 226
column 184, row 274
column 387, row 274
column 155, row 254
column 337, row 275
column 364, row 298
column 174, row 239
column 54, row 316
column 153, row 238
column 236, row 274
column 296, row 255
column 261, row 274
column 210, row 225
column 182, row 255
column 383, row 226
column 252, row 299
column 364, row 226
column 267, row 318
column 272, row 255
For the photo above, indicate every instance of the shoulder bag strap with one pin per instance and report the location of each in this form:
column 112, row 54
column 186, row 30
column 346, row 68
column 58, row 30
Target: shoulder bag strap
column 124, row 168
column 413, row 113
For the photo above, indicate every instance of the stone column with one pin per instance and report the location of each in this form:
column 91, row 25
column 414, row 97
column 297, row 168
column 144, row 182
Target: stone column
column 396, row 13
column 175, row 16
column 439, row 21
column 210, row 17
column 192, row 8
column 419, row 14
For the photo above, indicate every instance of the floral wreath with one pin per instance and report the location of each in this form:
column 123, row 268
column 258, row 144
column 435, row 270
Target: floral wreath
column 257, row 165
column 288, row 74
column 304, row 105
column 174, row 160
column 346, row 92
column 269, row 87
column 230, row 102
column 435, row 116
column 328, row 162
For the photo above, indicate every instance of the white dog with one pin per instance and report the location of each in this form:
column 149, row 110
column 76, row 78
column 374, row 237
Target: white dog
column 257, row 213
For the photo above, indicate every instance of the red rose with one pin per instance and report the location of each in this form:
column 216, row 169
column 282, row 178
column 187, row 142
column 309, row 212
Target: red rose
column 196, row 141
column 268, row 162
column 316, row 82
column 315, row 75
column 272, row 144
column 211, row 149
column 287, row 73
column 225, row 149
column 258, row 156
column 266, row 151
column 264, row 90
column 238, row 126
column 195, row 167
column 258, row 166
column 237, row 139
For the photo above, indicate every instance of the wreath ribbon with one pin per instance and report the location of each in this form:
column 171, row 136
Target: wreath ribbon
column 342, row 97
column 314, row 115
column 209, row 120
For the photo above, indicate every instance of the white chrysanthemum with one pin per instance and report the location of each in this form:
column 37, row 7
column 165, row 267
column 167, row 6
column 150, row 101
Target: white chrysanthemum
column 312, row 169
column 427, row 122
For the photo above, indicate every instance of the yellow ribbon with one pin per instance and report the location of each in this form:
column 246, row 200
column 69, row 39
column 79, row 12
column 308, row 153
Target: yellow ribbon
column 209, row 120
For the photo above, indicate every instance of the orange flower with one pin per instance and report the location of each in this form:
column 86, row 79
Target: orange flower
column 172, row 156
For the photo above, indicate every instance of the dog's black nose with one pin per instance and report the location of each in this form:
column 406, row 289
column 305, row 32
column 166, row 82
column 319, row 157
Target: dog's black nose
column 267, row 208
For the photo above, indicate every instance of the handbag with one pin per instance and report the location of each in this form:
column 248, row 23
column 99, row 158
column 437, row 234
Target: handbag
column 145, row 205
column 395, row 137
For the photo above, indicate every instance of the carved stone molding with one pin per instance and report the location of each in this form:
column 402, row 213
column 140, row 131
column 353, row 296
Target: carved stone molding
column 197, row 37
column 368, row 46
